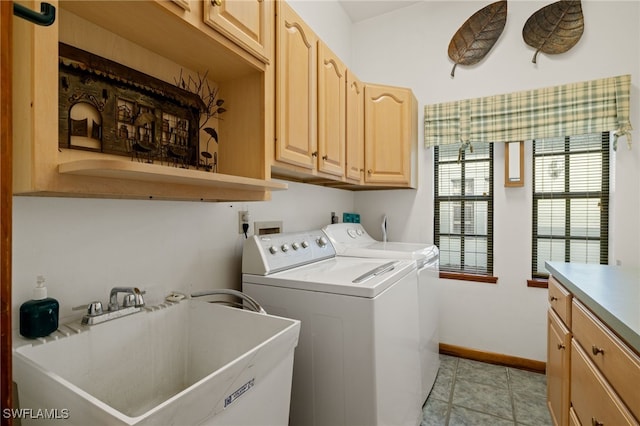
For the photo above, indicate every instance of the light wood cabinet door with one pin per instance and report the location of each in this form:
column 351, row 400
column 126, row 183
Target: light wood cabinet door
column 558, row 369
column 390, row 135
column 592, row 398
column 355, row 129
column 332, row 89
column 618, row 364
column 296, row 90
column 249, row 23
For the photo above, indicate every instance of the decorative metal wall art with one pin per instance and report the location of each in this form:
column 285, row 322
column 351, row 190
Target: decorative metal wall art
column 109, row 108
column 555, row 28
column 212, row 109
column 475, row 38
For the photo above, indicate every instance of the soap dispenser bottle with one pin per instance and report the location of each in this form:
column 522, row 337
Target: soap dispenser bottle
column 39, row 316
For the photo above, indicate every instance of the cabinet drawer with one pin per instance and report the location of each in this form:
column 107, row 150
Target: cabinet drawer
column 594, row 401
column 560, row 301
column 618, row 364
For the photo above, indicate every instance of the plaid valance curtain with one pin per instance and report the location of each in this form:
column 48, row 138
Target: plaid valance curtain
column 568, row 110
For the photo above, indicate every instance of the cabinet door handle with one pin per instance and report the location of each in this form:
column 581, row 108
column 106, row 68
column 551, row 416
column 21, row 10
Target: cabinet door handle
column 369, row 171
column 596, row 350
column 325, row 157
column 561, row 346
column 314, row 154
column 595, row 422
column 552, row 299
column 216, row 2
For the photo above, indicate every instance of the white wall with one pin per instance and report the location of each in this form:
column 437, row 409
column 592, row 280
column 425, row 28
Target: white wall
column 84, row 247
column 409, row 48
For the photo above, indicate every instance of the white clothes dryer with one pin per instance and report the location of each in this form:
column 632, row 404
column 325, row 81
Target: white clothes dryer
column 352, row 240
column 357, row 355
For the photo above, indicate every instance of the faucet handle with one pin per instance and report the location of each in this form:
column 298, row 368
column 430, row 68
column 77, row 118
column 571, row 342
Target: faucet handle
column 138, row 299
column 94, row 308
column 129, row 300
column 133, row 299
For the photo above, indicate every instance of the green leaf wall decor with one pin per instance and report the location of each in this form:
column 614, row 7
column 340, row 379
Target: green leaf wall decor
column 555, row 28
column 475, row 38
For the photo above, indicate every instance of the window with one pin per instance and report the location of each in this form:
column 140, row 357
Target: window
column 570, row 200
column 464, row 208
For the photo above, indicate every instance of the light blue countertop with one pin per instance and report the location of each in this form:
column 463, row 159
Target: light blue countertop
column 611, row 292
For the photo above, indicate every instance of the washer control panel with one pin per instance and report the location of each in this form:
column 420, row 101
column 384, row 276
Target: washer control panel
column 347, row 235
column 266, row 254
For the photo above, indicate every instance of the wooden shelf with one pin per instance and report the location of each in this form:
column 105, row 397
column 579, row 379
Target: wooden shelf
column 160, row 39
column 129, row 170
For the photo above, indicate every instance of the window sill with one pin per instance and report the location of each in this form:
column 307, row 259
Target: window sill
column 538, row 283
column 468, row 277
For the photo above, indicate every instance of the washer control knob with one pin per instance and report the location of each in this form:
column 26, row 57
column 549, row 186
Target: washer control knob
column 295, row 246
column 322, row 241
column 285, row 248
column 305, row 244
column 273, row 250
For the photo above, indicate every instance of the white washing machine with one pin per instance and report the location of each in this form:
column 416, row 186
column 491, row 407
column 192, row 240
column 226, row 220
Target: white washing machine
column 357, row 356
column 352, row 240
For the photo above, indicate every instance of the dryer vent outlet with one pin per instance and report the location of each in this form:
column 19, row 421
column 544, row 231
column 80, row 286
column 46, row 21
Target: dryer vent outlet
column 271, row 227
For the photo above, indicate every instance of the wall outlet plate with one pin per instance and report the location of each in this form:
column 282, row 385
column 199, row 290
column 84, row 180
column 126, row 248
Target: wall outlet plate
column 243, row 217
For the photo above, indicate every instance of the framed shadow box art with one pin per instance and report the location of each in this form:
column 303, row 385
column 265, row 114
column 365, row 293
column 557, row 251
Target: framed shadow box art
column 109, row 108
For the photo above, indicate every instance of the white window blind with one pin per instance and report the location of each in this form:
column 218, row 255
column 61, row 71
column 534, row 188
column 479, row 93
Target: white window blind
column 570, row 200
column 464, row 209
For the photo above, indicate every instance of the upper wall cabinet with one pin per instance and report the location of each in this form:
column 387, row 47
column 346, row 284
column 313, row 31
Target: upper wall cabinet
column 296, row 91
column 310, row 102
column 390, row 136
column 247, row 22
column 355, row 129
column 164, row 40
column 332, row 89
column 328, row 123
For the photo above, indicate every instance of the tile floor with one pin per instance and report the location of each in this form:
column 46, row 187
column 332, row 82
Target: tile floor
column 475, row 393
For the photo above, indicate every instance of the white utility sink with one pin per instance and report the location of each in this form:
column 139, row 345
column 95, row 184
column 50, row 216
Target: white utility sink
column 188, row 363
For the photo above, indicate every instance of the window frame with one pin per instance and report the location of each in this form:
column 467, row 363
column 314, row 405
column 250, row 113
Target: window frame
column 462, row 274
column 538, row 278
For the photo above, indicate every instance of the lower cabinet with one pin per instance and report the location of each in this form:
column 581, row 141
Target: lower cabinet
column 558, row 368
column 592, row 375
column 592, row 398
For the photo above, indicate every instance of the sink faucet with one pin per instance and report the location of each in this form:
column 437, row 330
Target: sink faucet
column 132, row 303
column 133, row 298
